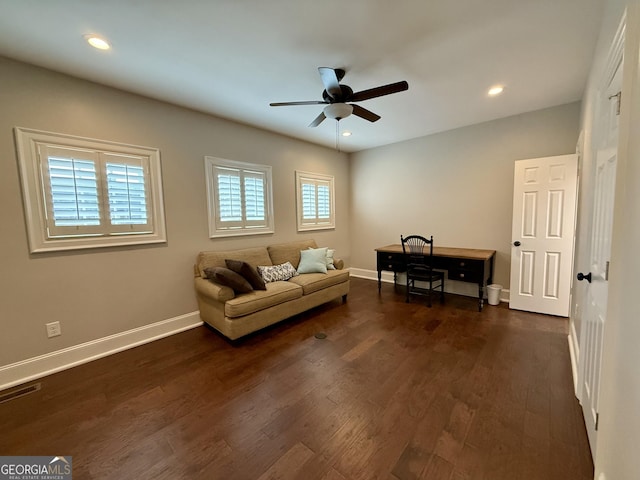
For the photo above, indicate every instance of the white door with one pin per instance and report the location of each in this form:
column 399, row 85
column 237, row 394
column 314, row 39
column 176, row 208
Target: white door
column 605, row 134
column 542, row 234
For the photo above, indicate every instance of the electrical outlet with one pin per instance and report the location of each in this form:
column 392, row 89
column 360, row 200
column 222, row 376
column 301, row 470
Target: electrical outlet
column 53, row 329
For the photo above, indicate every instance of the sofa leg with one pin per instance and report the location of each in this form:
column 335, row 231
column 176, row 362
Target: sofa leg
column 344, row 298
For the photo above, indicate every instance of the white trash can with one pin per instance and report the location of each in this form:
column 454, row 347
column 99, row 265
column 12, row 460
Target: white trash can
column 493, row 294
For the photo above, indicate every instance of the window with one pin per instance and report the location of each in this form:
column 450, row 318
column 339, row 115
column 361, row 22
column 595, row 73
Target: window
column 315, row 201
column 85, row 193
column 239, row 198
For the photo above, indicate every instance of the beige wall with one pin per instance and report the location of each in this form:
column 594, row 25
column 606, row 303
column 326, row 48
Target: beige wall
column 96, row 293
column 456, row 185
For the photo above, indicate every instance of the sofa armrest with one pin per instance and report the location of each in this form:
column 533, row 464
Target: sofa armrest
column 213, row 290
column 339, row 264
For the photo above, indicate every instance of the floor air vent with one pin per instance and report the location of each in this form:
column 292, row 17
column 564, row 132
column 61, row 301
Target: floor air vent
column 19, row 392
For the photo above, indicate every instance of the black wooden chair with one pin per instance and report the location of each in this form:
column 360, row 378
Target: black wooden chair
column 418, row 254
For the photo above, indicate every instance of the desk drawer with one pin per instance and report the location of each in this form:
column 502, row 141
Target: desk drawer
column 393, row 262
column 465, row 275
column 464, row 264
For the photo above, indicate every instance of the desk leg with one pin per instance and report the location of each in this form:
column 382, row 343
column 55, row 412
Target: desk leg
column 480, row 296
column 379, row 280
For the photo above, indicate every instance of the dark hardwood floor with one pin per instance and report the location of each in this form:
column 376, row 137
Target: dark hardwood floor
column 395, row 391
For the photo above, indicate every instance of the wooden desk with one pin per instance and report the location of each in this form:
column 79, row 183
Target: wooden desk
column 463, row 264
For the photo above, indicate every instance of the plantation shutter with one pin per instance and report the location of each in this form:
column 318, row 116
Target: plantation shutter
column 254, row 196
column 238, row 198
column 308, row 201
column 316, row 201
column 229, row 194
column 241, row 198
column 324, row 202
column 315, row 209
column 71, row 190
column 94, row 193
column 128, row 198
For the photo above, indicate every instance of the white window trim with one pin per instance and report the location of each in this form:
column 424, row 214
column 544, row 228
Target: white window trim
column 317, row 223
column 244, row 227
column 34, row 198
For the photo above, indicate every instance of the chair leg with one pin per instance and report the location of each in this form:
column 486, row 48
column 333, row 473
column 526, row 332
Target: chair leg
column 442, row 290
column 408, row 283
column 429, row 293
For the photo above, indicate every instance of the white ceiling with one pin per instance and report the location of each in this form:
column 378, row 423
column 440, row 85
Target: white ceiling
column 231, row 58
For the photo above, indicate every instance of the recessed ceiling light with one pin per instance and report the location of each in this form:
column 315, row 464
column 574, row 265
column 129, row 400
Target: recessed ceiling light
column 497, row 90
column 346, row 133
column 97, row 42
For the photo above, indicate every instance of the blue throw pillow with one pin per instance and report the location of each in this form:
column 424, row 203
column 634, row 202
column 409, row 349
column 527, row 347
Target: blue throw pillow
column 330, row 252
column 313, row 260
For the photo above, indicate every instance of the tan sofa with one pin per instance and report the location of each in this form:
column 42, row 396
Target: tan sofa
column 235, row 315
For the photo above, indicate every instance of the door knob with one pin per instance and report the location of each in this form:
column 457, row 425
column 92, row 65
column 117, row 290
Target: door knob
column 516, row 243
column 582, row 276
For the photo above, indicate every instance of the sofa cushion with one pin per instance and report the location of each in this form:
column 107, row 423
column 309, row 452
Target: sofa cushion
column 253, row 256
column 276, row 273
column 247, row 271
column 313, row 260
column 288, row 252
column 228, row 278
column 312, row 282
column 275, row 294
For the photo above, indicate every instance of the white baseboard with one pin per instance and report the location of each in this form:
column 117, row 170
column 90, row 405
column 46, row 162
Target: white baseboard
column 451, row 286
column 387, row 277
column 43, row 365
column 505, row 295
column 574, row 354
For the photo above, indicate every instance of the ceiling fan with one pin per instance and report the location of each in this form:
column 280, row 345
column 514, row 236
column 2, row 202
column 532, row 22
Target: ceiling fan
column 336, row 96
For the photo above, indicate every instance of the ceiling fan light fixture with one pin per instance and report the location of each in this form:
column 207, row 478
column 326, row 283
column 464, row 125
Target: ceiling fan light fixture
column 338, row 111
column 346, row 133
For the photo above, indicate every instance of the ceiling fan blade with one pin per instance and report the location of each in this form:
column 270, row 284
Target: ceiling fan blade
column 318, row 120
column 330, row 81
column 364, row 113
column 379, row 91
column 288, row 104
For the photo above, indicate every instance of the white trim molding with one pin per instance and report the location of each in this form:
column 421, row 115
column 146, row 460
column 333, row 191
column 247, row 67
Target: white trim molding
column 315, row 216
column 46, row 233
column 49, row 363
column 574, row 353
column 235, row 219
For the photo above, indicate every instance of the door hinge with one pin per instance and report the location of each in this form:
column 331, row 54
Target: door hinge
column 618, row 97
column 597, row 420
column 606, row 272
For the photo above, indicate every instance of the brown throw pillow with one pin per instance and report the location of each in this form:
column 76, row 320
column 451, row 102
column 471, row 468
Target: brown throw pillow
column 248, row 272
column 228, row 278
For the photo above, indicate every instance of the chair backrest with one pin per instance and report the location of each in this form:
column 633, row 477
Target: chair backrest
column 418, row 250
